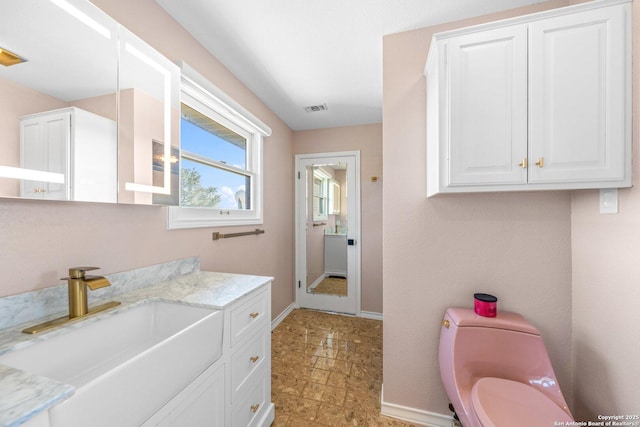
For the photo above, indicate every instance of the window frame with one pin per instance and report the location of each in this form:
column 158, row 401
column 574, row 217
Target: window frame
column 322, row 214
column 197, row 91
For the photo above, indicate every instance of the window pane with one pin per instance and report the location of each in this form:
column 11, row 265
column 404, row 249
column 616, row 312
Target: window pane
column 200, row 134
column 319, row 197
column 208, row 186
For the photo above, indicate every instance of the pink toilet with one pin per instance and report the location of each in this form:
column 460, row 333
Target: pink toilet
column 497, row 373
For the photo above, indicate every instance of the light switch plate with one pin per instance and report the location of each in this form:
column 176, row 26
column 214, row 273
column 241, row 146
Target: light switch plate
column 608, row 200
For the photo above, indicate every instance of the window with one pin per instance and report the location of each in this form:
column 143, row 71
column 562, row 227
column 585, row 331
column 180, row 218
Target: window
column 214, row 171
column 320, row 194
column 221, row 159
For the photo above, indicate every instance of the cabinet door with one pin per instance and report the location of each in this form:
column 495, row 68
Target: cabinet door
column 488, row 107
column 57, row 135
column 32, row 157
column 335, row 255
column 200, row 404
column 579, row 76
column 44, row 147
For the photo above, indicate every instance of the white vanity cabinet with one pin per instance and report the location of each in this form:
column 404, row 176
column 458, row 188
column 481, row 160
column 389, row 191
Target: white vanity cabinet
column 236, row 389
column 249, row 342
column 79, row 146
column 532, row 103
column 335, row 255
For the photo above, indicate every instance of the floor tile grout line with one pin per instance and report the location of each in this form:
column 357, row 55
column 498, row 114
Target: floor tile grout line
column 359, row 348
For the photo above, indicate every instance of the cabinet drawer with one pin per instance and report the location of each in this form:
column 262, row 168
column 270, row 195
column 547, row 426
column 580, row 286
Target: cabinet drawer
column 249, row 317
column 248, row 359
column 250, row 409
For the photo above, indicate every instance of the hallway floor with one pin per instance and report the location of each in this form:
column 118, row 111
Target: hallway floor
column 327, row 371
column 331, row 285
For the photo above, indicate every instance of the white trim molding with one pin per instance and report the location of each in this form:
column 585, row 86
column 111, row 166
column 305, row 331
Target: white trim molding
column 275, row 322
column 371, row 315
column 196, row 90
column 413, row 415
column 227, row 106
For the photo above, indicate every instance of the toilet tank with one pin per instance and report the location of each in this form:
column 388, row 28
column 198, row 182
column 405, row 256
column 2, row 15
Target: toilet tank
column 506, row 346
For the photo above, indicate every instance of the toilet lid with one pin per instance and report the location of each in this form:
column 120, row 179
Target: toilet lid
column 498, row 402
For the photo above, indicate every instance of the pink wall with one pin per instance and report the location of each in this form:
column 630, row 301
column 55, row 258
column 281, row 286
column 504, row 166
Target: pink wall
column 40, row 240
column 606, row 289
column 367, row 139
column 439, row 251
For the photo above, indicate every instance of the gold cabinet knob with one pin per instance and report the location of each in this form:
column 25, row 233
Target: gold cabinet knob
column 254, row 315
column 540, row 162
column 254, row 408
column 254, row 359
column 445, row 323
column 523, row 163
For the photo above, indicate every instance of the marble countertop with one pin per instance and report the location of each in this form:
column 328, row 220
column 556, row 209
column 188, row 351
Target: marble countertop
column 24, row 395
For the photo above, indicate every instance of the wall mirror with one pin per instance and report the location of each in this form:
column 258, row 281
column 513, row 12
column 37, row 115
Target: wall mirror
column 148, row 124
column 78, row 123
column 326, row 232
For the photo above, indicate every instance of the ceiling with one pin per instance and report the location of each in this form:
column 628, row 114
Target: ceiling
column 298, row 53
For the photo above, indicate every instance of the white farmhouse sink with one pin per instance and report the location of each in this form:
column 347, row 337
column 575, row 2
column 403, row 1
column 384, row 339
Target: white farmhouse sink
column 126, row 366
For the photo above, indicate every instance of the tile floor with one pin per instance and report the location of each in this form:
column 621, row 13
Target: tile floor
column 327, row 371
column 331, row 285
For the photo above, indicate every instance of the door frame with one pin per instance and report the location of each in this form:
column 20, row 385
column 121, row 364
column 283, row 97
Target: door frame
column 354, row 231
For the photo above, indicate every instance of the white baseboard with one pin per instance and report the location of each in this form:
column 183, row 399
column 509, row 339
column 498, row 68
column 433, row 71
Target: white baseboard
column 371, row 315
column 275, row 322
column 413, row 415
column 317, row 282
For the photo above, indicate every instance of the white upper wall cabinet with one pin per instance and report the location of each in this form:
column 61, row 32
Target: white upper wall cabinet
column 532, row 103
column 78, row 146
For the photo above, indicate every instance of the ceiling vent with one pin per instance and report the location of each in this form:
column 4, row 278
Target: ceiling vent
column 315, row 108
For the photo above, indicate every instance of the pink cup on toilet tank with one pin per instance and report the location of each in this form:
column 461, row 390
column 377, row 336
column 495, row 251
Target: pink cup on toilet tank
column 485, row 305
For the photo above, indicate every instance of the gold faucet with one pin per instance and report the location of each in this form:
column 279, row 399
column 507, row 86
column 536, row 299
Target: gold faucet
column 78, row 283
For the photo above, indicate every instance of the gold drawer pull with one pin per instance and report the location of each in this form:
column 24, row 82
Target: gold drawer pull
column 254, row 408
column 540, row 162
column 254, row 315
column 523, row 163
column 254, row 359
column 445, row 323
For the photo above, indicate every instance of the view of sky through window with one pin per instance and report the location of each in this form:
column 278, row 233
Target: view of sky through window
column 229, row 185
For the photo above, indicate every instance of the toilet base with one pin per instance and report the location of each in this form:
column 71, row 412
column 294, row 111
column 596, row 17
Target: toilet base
column 456, row 419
